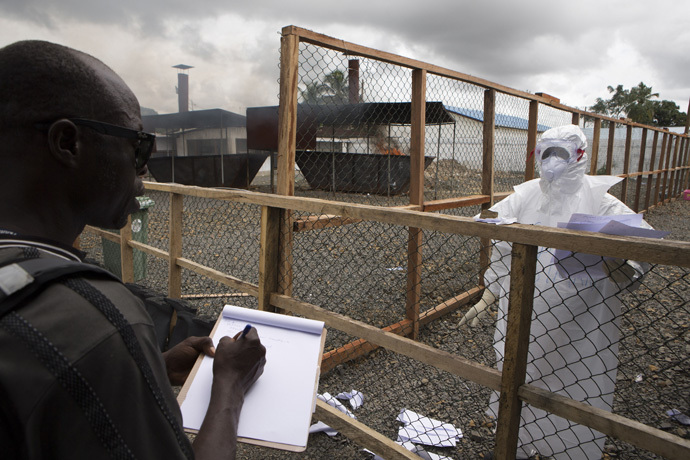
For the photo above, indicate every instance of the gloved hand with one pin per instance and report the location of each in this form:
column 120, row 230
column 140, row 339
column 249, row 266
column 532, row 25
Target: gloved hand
column 478, row 310
column 619, row 271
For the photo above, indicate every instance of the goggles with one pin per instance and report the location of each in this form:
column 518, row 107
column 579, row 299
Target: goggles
column 563, row 149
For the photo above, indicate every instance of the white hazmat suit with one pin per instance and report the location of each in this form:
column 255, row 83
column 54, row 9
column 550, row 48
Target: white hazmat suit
column 574, row 334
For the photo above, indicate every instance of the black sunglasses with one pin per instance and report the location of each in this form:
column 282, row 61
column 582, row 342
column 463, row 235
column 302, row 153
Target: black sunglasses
column 145, row 141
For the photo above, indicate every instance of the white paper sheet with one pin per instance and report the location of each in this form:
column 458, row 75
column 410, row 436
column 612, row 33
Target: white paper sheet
column 279, row 405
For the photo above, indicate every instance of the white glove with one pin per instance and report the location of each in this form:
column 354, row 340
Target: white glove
column 619, row 271
column 478, row 310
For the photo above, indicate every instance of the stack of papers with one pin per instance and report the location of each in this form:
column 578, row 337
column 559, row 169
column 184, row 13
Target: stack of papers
column 569, row 264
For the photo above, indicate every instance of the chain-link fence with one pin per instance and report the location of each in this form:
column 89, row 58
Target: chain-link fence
column 354, row 126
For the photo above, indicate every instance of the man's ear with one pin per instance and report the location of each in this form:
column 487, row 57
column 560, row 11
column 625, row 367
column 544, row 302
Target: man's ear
column 64, row 142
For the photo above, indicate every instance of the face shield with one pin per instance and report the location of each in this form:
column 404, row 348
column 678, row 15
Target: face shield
column 554, row 156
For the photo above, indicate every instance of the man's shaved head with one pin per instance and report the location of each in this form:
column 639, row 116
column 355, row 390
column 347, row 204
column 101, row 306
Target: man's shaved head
column 42, row 81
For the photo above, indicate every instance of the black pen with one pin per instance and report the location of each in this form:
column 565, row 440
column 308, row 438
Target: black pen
column 246, row 330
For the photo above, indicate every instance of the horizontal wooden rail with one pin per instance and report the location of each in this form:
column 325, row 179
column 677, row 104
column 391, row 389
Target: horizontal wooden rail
column 161, row 254
column 352, row 49
column 361, row 347
column 219, row 276
column 637, row 434
column 641, row 249
column 440, row 359
column 361, row 434
column 452, row 203
column 108, row 235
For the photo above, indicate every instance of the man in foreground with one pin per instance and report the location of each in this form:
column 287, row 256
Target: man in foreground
column 81, row 375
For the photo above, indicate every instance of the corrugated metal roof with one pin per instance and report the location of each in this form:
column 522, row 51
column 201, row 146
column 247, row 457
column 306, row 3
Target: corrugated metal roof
column 503, row 121
column 200, row 119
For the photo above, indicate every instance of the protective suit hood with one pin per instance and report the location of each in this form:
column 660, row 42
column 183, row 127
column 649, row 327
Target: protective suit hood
column 562, row 173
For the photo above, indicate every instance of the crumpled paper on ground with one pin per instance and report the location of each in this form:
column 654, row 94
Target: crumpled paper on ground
column 424, row 430
column 331, row 401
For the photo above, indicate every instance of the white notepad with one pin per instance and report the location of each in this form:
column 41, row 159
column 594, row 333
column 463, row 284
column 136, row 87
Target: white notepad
column 277, row 409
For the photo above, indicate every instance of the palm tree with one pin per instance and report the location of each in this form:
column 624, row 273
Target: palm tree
column 333, row 90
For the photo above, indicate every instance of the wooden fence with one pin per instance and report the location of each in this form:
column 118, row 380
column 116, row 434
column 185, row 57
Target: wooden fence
column 273, row 291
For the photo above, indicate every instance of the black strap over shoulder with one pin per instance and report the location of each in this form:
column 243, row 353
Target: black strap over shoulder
column 19, row 282
column 41, row 272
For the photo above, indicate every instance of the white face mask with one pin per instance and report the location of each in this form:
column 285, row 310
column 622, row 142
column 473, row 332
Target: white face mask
column 553, row 167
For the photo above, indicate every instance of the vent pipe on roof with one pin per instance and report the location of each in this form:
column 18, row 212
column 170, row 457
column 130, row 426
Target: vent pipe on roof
column 182, row 87
column 353, row 80
column 183, row 92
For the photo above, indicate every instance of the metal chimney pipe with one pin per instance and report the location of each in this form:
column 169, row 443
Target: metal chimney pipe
column 183, row 92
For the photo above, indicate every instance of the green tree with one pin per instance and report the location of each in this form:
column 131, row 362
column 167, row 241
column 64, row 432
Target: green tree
column 333, row 89
column 636, row 103
column 667, row 113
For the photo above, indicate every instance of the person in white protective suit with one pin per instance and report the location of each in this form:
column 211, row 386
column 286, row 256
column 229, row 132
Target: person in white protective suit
column 574, row 334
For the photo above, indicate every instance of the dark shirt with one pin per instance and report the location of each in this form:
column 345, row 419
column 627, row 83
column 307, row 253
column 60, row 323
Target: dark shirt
column 38, row 417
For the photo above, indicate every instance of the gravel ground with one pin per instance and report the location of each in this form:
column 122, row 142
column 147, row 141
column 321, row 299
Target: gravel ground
column 357, row 270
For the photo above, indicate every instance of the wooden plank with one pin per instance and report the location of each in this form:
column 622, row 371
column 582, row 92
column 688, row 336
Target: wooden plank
column 417, row 137
column 662, row 153
column 269, row 256
column 532, row 129
column 674, row 163
column 638, row 434
column 415, row 235
column 650, row 177
column 457, row 365
column 576, row 118
column 223, row 278
column 669, row 147
column 322, row 221
column 287, row 135
column 287, row 114
column 488, row 141
column 522, row 273
column 150, row 250
column 488, row 145
column 452, row 203
column 175, row 246
column 640, row 169
column 626, row 163
column 110, row 236
column 665, row 252
column 360, row 347
column 126, row 252
column 596, row 137
column 361, row 434
column 609, row 148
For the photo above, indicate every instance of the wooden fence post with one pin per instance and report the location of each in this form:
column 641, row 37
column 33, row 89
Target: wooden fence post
column 532, row 129
column 667, row 166
column 175, row 248
column 287, row 136
column 269, row 256
column 672, row 180
column 414, row 242
column 488, row 171
column 662, row 153
column 609, row 149
column 650, row 177
column 126, row 252
column 626, row 162
column 640, row 168
column 522, row 273
column 595, row 147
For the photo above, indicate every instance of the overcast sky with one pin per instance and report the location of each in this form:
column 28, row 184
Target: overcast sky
column 572, row 50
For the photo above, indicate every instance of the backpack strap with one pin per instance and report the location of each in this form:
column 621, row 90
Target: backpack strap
column 24, row 279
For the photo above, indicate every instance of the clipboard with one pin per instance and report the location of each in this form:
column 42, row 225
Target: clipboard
column 278, row 408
